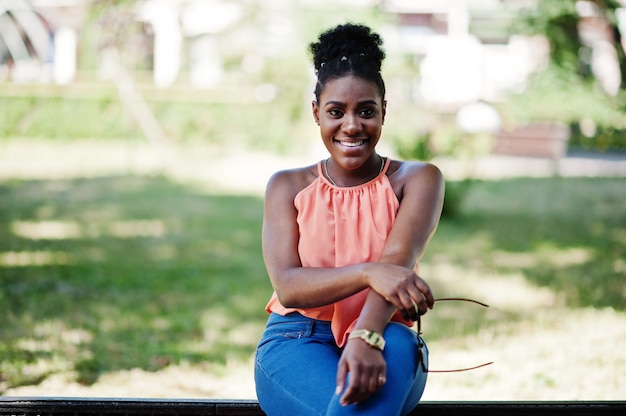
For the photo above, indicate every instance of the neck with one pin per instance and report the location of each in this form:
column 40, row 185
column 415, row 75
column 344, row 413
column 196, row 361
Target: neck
column 347, row 178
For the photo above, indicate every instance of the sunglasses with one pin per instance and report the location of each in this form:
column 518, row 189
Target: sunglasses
column 423, row 357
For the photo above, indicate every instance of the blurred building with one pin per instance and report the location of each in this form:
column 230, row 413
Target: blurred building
column 39, row 38
column 463, row 48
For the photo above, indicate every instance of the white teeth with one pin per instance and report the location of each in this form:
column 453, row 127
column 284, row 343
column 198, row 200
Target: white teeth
column 351, row 144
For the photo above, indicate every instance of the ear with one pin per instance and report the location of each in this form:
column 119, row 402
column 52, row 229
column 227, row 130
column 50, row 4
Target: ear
column 316, row 112
column 384, row 112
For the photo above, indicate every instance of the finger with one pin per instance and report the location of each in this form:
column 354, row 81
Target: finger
column 401, row 306
column 420, row 300
column 419, row 305
column 397, row 302
column 351, row 391
column 379, row 382
column 366, row 386
column 342, row 369
column 423, row 287
column 410, row 304
column 362, row 384
column 408, row 307
column 371, row 381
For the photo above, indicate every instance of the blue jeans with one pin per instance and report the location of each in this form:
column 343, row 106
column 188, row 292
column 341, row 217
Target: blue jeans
column 296, row 367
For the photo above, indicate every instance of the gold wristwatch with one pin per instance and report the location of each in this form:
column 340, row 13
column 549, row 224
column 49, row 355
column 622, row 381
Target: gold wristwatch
column 371, row 338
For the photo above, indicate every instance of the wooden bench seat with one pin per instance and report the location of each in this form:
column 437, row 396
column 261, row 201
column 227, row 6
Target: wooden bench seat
column 74, row 406
column 545, row 140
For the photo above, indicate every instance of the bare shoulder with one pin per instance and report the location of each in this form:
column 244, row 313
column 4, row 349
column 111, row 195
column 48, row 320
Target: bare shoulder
column 404, row 172
column 403, row 168
column 291, row 181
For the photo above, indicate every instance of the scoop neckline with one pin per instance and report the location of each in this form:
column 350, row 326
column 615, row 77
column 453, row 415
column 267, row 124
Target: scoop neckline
column 323, row 177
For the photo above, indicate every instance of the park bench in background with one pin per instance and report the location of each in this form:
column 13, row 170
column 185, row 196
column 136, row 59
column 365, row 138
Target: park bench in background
column 541, row 139
column 51, row 406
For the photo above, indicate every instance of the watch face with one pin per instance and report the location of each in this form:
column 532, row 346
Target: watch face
column 374, row 339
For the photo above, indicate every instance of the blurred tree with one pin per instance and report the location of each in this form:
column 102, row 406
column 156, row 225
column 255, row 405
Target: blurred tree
column 116, row 44
column 585, row 83
column 578, row 31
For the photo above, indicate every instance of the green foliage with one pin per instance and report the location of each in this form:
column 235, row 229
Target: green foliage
column 63, row 118
column 413, row 147
column 454, row 198
column 557, row 95
column 63, row 113
column 568, row 91
column 558, row 21
column 603, row 139
column 95, row 112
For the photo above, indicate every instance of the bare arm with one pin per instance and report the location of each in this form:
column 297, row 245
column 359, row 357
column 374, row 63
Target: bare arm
column 420, row 208
column 297, row 286
column 416, row 222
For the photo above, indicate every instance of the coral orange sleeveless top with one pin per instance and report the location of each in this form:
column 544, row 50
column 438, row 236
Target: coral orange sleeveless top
column 340, row 227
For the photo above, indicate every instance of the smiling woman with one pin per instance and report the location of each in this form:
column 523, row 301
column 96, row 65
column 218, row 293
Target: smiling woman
column 350, row 125
column 341, row 242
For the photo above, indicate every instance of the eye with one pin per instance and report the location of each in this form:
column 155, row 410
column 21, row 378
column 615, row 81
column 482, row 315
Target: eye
column 367, row 112
column 335, row 112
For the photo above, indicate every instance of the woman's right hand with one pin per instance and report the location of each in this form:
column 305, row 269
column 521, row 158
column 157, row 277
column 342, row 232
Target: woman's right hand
column 402, row 287
column 364, row 370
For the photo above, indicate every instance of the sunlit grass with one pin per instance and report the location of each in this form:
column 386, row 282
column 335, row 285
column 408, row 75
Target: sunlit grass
column 560, row 233
column 140, row 265
column 106, row 274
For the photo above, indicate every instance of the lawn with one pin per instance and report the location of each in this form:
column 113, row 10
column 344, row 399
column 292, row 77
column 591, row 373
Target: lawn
column 115, row 272
column 118, row 272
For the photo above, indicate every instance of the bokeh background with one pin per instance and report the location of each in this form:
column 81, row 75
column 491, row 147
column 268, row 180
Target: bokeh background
column 136, row 138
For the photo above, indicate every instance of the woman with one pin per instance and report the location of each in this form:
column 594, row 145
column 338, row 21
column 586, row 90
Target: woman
column 341, row 241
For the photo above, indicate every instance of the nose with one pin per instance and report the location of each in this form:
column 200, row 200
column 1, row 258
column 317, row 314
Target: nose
column 351, row 124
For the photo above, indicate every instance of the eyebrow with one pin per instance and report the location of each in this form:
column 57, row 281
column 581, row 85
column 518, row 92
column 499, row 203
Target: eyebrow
column 340, row 104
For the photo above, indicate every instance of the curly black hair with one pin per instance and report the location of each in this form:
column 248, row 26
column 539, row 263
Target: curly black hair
column 348, row 49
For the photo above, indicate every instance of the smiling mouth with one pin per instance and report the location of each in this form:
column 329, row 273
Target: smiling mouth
column 351, row 144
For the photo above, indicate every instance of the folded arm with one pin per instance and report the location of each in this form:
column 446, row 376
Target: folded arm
column 421, row 189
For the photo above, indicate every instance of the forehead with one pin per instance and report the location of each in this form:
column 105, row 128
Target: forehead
column 350, row 89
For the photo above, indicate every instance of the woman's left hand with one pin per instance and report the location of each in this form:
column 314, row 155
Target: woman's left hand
column 365, row 370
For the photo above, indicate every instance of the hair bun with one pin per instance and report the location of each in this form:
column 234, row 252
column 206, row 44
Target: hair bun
column 345, row 42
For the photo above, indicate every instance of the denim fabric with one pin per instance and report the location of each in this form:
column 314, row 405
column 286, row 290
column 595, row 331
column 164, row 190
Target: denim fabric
column 296, row 367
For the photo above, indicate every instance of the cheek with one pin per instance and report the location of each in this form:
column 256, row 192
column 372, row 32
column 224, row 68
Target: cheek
column 326, row 132
column 375, row 126
column 327, row 127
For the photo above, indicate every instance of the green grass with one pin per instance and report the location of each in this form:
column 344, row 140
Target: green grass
column 566, row 234
column 120, row 272
column 191, row 118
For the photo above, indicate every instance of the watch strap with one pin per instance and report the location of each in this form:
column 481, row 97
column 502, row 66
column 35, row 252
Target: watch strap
column 371, row 338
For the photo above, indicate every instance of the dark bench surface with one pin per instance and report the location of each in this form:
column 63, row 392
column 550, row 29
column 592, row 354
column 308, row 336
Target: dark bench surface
column 73, row 406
